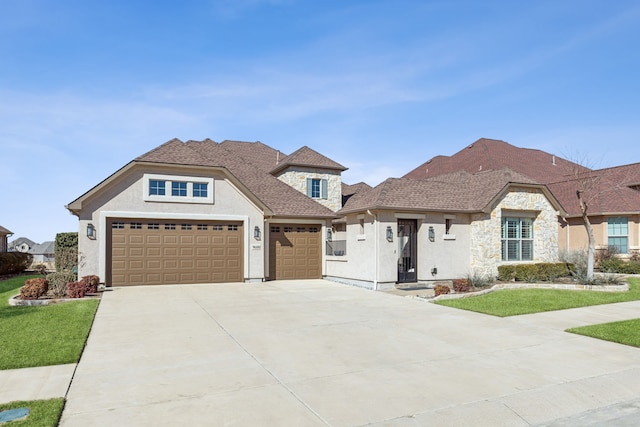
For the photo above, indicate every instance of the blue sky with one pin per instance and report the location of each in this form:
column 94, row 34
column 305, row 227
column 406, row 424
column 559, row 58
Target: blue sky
column 379, row 86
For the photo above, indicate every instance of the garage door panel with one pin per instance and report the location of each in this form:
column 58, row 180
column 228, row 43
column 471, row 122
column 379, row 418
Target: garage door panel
column 295, row 251
column 159, row 252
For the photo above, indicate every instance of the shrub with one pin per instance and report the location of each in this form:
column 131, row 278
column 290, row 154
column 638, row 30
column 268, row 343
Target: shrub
column 634, row 256
column 548, row 271
column 34, row 288
column 527, row 273
column 14, row 262
column 507, row 273
column 58, row 282
column 441, row 289
column 66, row 251
column 75, row 290
column 91, row 284
column 461, row 285
column 605, row 254
column 477, row 280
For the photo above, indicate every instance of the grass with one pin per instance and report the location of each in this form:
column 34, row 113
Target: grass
column 624, row 332
column 43, row 413
column 42, row 335
column 512, row 302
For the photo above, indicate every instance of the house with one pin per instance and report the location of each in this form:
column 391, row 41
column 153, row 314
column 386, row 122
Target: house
column 419, row 230
column 21, row 244
column 613, row 194
column 4, row 239
column 205, row 212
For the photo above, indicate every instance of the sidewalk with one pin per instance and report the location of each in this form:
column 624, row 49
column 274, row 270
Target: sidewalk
column 45, row 382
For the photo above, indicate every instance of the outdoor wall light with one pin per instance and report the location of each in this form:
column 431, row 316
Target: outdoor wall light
column 256, row 232
column 329, row 235
column 91, row 231
column 432, row 234
column 389, row 234
column 434, row 271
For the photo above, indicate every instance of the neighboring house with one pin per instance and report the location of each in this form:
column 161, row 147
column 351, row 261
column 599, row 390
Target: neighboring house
column 43, row 252
column 203, row 212
column 4, row 239
column 21, row 244
column 420, row 230
column 613, row 193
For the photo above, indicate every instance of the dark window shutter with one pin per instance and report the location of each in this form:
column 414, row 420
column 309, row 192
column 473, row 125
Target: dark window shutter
column 309, row 186
column 324, row 185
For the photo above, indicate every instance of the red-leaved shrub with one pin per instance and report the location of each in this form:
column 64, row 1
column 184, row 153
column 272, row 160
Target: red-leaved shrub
column 461, row 285
column 75, row 290
column 34, row 288
column 441, row 289
column 90, row 284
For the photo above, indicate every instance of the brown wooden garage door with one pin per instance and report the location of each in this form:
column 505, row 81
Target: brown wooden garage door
column 295, row 251
column 158, row 252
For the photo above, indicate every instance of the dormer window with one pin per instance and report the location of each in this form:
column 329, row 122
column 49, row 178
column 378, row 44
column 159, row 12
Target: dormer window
column 156, row 187
column 317, row 188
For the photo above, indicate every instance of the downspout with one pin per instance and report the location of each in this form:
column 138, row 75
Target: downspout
column 375, row 249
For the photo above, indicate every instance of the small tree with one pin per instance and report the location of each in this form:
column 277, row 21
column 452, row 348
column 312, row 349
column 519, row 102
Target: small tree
column 66, row 251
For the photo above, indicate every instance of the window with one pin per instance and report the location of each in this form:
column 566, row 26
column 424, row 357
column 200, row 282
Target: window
column 217, row 227
column 275, row 229
column 117, row 225
column 447, row 225
column 202, row 227
column 185, row 226
column 153, row 226
column 517, row 239
column 179, row 189
column 200, row 189
column 135, row 226
column 317, row 188
column 169, row 226
column 156, row 187
column 232, row 227
column 618, row 233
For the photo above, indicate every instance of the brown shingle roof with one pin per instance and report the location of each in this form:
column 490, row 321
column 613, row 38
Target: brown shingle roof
column 305, row 156
column 491, row 154
column 609, row 194
column 279, row 197
column 457, row 192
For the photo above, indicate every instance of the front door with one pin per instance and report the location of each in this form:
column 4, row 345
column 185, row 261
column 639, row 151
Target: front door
column 407, row 251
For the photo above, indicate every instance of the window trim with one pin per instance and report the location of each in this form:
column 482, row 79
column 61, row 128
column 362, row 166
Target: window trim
column 504, row 239
column 169, row 180
column 618, row 236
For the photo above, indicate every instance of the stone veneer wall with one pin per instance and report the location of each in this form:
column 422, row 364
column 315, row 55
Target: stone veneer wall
column 486, row 242
column 296, row 177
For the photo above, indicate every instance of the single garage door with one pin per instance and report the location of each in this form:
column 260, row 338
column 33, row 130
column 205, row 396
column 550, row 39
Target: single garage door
column 159, row 252
column 295, row 251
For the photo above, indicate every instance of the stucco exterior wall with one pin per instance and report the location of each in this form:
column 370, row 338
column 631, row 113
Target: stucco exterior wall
column 486, row 242
column 573, row 235
column 296, row 177
column 124, row 197
column 361, row 266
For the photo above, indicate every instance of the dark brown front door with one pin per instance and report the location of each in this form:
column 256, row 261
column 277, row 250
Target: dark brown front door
column 407, row 251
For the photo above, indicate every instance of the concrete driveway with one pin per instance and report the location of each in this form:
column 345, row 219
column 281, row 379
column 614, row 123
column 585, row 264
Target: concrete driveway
column 317, row 353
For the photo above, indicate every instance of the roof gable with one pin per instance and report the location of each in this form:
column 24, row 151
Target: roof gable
column 305, row 156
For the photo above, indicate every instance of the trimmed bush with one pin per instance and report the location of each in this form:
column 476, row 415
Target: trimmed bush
column 461, row 285
column 76, row 290
column 58, row 282
column 507, row 273
column 616, row 265
column 66, row 251
column 91, row 284
column 14, row 262
column 540, row 272
column 34, row 288
column 441, row 289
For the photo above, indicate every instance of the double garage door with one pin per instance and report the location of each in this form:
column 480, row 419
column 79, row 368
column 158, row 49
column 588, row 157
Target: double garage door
column 157, row 252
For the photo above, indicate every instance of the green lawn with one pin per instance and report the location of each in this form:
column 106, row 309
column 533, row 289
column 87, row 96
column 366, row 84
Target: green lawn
column 42, row 413
column 512, row 302
column 42, row 335
column 623, row 332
